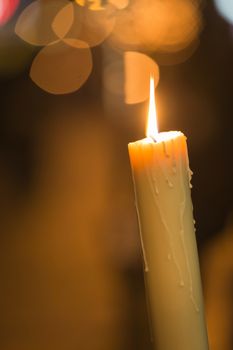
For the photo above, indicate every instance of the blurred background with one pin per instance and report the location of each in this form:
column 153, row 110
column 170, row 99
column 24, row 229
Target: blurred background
column 71, row 270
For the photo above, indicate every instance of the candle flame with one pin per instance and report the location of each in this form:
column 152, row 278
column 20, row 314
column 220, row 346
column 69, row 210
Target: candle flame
column 152, row 127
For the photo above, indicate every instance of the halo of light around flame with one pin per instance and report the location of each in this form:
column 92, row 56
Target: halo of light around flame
column 152, row 133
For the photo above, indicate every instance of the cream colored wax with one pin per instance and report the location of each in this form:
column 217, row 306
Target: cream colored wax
column 162, row 188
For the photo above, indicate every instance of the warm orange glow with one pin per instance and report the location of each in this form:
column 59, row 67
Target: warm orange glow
column 152, row 132
column 152, row 127
column 166, row 26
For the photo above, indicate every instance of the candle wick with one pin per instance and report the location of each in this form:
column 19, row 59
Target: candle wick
column 153, row 139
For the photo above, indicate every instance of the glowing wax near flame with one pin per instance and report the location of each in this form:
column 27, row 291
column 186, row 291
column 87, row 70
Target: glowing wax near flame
column 152, row 127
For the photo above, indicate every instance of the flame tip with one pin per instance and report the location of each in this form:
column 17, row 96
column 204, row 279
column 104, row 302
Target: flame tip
column 152, row 128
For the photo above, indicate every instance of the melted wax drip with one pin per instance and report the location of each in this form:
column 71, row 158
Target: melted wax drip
column 165, row 150
column 142, row 243
column 151, row 177
column 174, row 167
column 183, row 204
column 155, row 191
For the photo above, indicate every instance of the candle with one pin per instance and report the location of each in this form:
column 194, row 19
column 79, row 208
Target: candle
column 161, row 175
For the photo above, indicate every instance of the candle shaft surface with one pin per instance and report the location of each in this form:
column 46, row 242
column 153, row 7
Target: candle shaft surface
column 162, row 188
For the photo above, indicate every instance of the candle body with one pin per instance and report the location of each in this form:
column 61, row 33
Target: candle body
column 162, row 188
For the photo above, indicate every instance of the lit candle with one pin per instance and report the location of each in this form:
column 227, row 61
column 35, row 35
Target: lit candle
column 161, row 175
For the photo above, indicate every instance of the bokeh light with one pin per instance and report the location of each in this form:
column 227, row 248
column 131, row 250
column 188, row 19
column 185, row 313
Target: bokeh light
column 80, row 2
column 119, row 4
column 59, row 25
column 90, row 26
column 34, row 25
column 154, row 25
column 128, row 76
column 94, row 5
column 60, row 69
column 80, row 259
column 168, row 28
column 225, row 8
column 63, row 21
column 7, row 10
column 173, row 58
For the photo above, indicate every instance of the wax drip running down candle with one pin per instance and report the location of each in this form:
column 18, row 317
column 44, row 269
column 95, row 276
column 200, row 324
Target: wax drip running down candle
column 162, row 176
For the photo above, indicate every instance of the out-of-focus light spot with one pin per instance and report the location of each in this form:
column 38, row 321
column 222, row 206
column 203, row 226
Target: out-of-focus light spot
column 34, row 25
column 7, row 10
column 94, row 5
column 63, row 21
column 78, row 44
column 225, row 8
column 60, row 69
column 80, row 2
column 119, row 4
column 93, row 27
column 173, row 58
column 138, row 69
column 167, row 26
